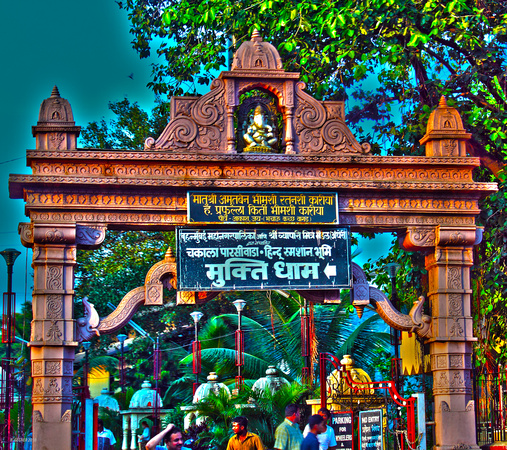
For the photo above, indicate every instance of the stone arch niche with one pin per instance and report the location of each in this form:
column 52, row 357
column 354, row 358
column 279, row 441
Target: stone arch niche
column 74, row 195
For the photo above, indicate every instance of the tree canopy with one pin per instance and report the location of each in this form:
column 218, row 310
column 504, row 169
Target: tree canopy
column 390, row 56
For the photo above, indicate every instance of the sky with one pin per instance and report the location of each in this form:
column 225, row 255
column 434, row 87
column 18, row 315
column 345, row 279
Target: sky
column 84, row 48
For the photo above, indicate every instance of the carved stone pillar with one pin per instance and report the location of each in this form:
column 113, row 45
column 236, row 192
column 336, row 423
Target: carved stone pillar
column 448, row 264
column 52, row 338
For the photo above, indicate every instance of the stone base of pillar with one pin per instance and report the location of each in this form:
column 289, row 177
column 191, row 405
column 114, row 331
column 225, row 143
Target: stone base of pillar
column 459, row 430
column 52, row 435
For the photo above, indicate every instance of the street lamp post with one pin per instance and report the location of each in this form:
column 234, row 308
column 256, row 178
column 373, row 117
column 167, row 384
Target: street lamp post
column 121, row 340
column 9, row 309
column 239, row 340
column 392, row 270
column 306, row 339
column 196, row 349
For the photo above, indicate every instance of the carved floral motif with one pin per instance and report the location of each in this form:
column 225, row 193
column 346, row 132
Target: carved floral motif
column 456, row 330
column 454, row 278
column 54, row 333
column 54, row 307
column 53, row 367
column 54, row 235
column 456, row 361
column 67, row 416
column 455, row 305
column 54, row 277
column 53, row 387
column 68, row 367
column 37, row 368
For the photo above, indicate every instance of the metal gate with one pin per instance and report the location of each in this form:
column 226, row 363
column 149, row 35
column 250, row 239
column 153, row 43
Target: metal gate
column 349, row 394
column 490, row 392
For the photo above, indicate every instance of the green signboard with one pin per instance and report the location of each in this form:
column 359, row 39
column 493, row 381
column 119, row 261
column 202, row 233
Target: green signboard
column 261, row 258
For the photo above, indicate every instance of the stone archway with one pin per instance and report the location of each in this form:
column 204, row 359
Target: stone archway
column 73, row 196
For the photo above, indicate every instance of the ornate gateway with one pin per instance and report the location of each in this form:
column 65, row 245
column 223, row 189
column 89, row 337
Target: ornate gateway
column 256, row 130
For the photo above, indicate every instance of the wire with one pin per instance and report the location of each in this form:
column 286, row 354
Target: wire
column 11, row 160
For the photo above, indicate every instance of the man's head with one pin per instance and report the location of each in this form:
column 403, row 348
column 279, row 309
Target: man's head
column 100, row 425
column 316, row 423
column 292, row 413
column 240, row 425
column 144, row 424
column 325, row 413
column 174, row 439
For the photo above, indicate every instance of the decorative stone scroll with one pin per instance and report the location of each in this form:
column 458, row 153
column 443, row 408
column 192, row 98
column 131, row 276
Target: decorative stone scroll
column 197, row 124
column 321, row 129
column 206, row 124
column 415, row 321
column 161, row 274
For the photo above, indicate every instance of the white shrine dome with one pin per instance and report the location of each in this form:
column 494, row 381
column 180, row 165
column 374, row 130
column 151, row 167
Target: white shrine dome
column 145, row 397
column 107, row 401
column 271, row 381
column 212, row 385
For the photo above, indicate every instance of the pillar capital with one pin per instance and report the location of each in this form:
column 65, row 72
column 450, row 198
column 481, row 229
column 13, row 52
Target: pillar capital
column 425, row 239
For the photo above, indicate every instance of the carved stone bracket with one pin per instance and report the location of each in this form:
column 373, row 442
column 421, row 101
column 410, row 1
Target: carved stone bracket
column 25, row 231
column 90, row 237
column 162, row 273
column 415, row 321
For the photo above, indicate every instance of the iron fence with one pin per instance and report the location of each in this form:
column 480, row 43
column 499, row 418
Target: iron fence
column 490, row 392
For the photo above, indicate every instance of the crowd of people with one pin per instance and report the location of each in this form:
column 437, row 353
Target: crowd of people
column 317, row 435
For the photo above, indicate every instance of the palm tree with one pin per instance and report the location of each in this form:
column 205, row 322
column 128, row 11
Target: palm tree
column 273, row 337
column 264, row 410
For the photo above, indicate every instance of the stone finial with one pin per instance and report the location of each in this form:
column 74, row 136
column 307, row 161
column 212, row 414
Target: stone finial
column 256, row 36
column 55, row 129
column 445, row 134
column 257, row 55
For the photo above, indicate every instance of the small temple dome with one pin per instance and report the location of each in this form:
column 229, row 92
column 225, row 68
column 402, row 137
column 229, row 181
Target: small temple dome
column 271, row 381
column 337, row 384
column 212, row 385
column 445, row 119
column 56, row 129
column 107, row 401
column 145, row 397
column 445, row 134
column 257, row 55
column 55, row 110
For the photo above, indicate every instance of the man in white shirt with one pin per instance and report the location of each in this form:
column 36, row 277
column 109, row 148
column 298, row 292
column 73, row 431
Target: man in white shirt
column 327, row 439
column 107, row 435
